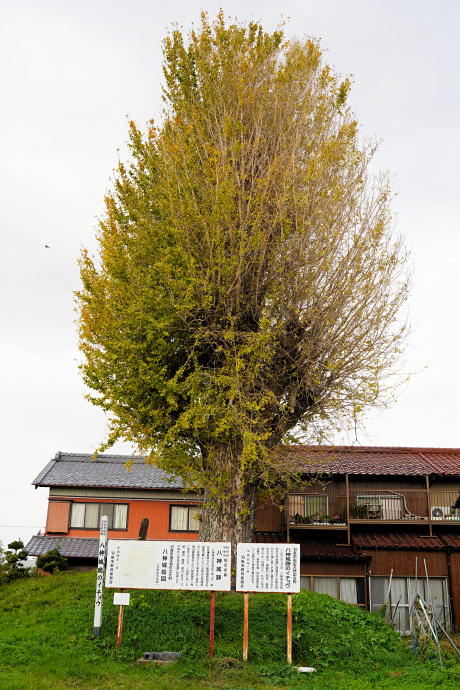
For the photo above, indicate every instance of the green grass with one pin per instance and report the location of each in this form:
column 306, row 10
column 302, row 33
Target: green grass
column 46, row 642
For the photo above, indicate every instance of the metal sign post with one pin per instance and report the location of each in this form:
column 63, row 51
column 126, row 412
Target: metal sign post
column 101, row 559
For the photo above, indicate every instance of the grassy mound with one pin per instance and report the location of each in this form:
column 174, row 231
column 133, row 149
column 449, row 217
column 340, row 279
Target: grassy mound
column 46, row 642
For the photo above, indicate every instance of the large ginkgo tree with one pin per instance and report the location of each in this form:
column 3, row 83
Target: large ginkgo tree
column 249, row 278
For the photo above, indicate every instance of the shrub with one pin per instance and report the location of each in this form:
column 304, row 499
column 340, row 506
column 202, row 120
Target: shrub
column 52, row 562
column 11, row 566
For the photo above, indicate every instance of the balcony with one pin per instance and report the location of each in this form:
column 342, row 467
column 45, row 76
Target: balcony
column 317, row 511
column 329, row 509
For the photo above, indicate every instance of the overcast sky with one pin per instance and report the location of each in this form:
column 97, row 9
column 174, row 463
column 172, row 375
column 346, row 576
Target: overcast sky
column 70, row 74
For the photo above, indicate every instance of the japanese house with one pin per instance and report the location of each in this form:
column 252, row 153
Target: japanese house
column 359, row 514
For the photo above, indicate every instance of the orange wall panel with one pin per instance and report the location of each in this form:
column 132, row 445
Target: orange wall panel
column 157, row 513
column 58, row 517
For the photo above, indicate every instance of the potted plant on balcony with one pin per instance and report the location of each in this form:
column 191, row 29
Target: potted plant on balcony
column 357, row 511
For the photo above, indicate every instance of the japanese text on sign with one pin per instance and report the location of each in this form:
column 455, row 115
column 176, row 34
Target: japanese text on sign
column 100, row 576
column 268, row 568
column 168, row 565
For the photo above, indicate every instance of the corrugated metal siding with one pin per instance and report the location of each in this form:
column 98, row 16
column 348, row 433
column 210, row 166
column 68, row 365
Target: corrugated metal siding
column 418, row 484
column 334, row 487
column 333, row 569
column 446, row 485
column 58, row 517
column 403, row 563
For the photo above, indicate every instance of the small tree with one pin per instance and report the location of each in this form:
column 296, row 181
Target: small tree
column 12, row 567
column 249, row 278
column 52, row 562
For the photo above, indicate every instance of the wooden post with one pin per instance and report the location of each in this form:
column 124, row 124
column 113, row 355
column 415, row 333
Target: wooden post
column 428, row 498
column 245, row 626
column 211, row 626
column 120, row 622
column 289, row 628
column 348, row 511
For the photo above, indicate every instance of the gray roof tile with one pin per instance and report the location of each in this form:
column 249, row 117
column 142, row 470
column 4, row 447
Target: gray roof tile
column 79, row 469
column 70, row 547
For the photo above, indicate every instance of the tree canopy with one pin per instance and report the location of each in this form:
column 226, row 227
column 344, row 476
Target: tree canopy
column 249, row 277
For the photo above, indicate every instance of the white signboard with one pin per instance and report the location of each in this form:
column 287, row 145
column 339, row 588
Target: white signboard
column 121, row 598
column 268, row 568
column 168, row 565
column 101, row 559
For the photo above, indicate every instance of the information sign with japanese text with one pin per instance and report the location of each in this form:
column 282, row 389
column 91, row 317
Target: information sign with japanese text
column 268, row 568
column 101, row 561
column 168, row 565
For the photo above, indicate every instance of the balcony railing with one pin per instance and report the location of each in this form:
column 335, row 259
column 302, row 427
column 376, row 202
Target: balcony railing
column 368, row 505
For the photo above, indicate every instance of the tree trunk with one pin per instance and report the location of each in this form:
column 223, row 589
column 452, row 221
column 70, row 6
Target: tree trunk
column 229, row 507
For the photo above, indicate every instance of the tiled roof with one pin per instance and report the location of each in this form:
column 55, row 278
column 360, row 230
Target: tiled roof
column 374, row 460
column 79, row 469
column 70, row 547
column 452, row 540
column 310, row 548
column 393, row 540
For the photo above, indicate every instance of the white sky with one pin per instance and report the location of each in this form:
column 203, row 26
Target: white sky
column 71, row 72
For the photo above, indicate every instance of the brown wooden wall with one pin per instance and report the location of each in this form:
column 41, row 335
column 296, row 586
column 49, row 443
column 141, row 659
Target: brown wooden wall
column 388, row 483
column 269, row 518
column 455, row 584
column 403, row 563
column 330, row 568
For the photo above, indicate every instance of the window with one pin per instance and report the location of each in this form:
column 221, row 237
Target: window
column 312, row 505
column 348, row 589
column 388, row 507
column 88, row 515
column 401, row 596
column 184, row 518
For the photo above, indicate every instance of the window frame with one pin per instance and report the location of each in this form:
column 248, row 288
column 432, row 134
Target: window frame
column 362, row 587
column 182, row 505
column 100, row 507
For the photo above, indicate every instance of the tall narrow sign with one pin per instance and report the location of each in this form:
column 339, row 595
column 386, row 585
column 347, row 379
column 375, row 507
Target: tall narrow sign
column 268, row 568
column 101, row 560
